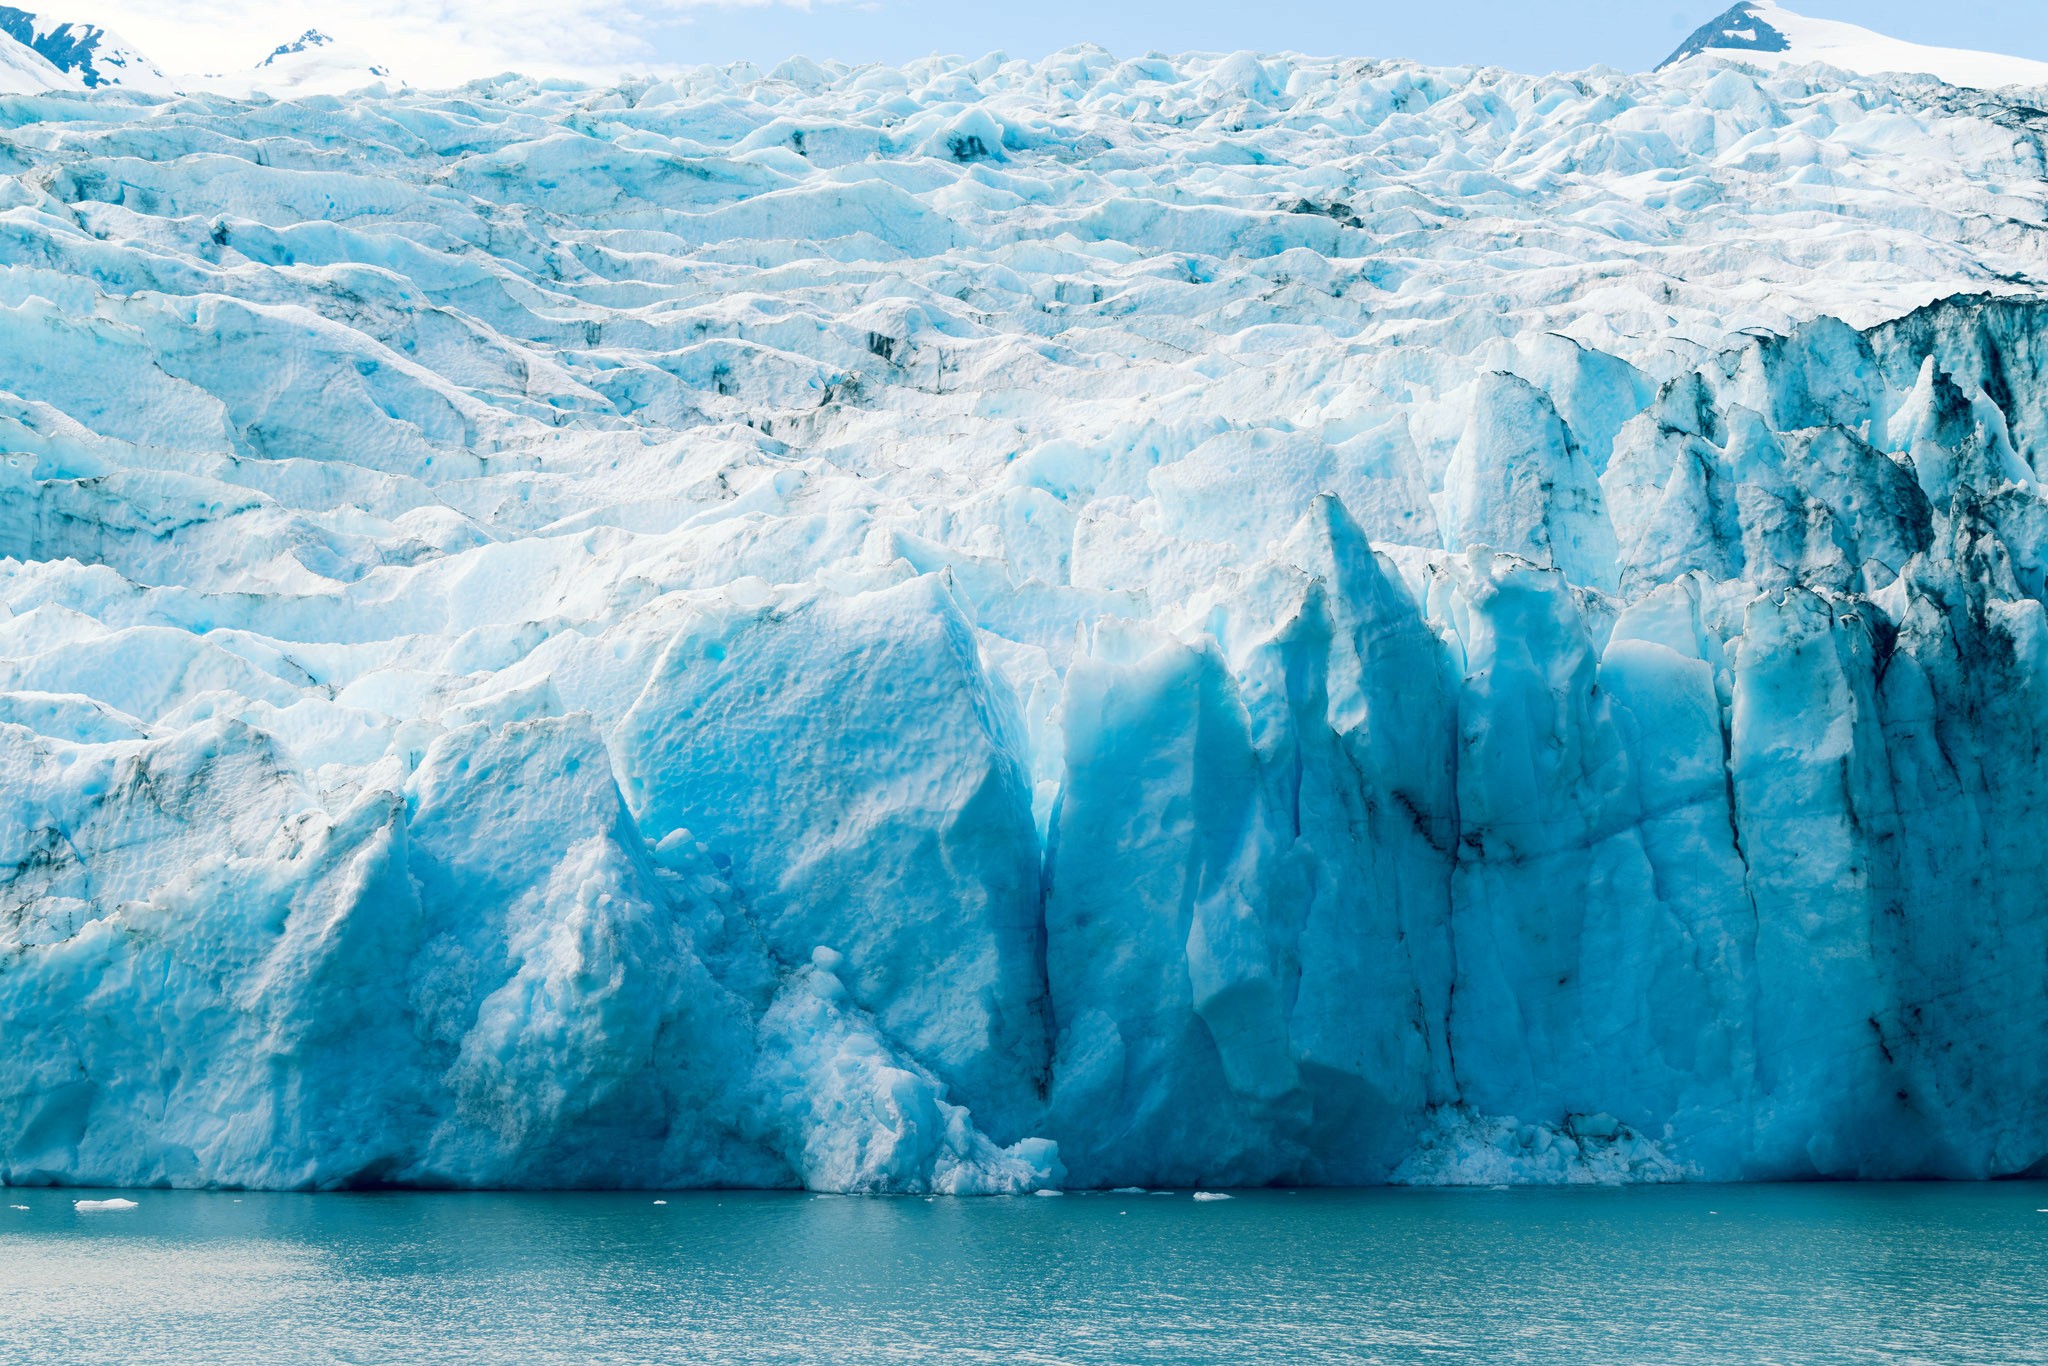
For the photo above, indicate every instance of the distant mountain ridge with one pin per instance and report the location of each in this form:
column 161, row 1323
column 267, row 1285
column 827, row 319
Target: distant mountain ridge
column 92, row 55
column 1767, row 34
column 24, row 71
column 41, row 52
column 312, row 63
column 1740, row 28
column 309, row 41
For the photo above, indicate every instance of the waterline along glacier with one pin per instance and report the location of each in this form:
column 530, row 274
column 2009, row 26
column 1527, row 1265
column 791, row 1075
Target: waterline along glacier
column 997, row 625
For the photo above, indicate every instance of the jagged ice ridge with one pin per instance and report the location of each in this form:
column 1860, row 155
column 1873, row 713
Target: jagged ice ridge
column 995, row 625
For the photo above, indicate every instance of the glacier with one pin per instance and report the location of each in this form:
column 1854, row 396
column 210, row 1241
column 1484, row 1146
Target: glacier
column 998, row 625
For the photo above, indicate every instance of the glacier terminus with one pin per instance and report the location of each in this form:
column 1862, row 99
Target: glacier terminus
column 997, row 625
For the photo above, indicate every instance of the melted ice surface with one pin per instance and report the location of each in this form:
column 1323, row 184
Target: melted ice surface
column 987, row 626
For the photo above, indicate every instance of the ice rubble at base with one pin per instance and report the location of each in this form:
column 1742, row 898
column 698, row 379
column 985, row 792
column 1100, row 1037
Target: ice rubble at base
column 1458, row 1148
column 988, row 626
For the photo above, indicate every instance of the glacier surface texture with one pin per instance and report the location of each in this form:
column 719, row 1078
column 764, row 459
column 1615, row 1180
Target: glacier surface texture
column 992, row 625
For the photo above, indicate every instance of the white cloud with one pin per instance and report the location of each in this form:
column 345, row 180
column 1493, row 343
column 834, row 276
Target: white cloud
column 428, row 42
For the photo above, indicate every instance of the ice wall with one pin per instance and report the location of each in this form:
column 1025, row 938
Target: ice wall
column 994, row 625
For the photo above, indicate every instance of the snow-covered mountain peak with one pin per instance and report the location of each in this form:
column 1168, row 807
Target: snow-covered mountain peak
column 311, row 64
column 1764, row 33
column 311, row 40
column 90, row 55
column 24, row 71
column 1742, row 28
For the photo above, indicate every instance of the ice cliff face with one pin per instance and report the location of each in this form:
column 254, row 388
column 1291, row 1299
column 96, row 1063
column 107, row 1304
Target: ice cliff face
column 984, row 625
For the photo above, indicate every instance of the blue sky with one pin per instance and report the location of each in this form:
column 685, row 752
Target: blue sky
column 442, row 41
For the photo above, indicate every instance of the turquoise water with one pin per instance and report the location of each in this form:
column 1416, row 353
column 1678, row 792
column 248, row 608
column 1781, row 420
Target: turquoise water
column 1812, row 1274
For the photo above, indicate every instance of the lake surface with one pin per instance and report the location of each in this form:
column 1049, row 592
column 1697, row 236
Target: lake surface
column 1710, row 1274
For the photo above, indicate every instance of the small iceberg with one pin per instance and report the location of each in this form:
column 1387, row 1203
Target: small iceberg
column 1048, row 1192
column 1210, row 1195
column 88, row 1206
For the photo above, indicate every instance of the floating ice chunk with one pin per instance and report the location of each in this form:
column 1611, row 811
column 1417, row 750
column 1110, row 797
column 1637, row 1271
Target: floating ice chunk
column 88, row 1206
column 1210, row 1195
